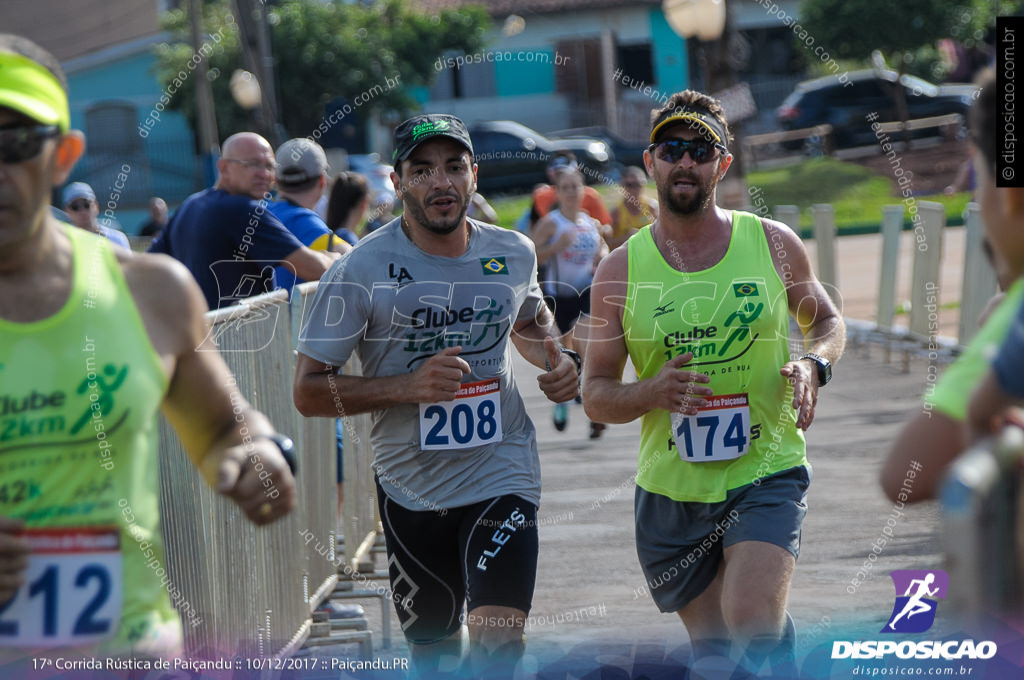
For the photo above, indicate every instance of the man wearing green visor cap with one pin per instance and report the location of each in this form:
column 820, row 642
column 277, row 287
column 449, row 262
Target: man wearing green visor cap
column 93, row 342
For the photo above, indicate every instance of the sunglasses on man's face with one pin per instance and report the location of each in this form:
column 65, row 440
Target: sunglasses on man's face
column 23, row 142
column 79, row 205
column 672, row 150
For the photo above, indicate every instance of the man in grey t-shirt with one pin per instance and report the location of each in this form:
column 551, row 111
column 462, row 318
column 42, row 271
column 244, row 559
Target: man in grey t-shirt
column 429, row 303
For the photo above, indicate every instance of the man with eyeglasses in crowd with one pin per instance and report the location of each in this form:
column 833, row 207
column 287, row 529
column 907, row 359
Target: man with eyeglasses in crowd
column 227, row 236
column 93, row 342
column 700, row 302
column 81, row 206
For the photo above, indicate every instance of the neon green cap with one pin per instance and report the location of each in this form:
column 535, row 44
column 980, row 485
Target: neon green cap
column 28, row 88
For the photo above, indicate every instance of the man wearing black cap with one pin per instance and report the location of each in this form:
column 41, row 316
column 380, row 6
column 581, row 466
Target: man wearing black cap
column 227, row 237
column 429, row 303
column 700, row 302
column 93, row 343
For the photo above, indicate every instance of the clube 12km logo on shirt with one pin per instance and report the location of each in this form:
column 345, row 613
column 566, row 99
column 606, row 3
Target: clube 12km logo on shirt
column 918, row 592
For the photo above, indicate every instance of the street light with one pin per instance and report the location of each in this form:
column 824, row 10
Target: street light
column 706, row 21
column 245, row 89
column 703, row 19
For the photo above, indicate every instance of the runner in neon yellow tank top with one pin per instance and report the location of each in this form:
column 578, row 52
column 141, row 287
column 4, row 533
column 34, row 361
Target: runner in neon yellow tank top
column 93, row 341
column 700, row 302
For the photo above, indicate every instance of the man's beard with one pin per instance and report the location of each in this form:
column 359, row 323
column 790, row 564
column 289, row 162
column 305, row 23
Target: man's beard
column 440, row 226
column 695, row 204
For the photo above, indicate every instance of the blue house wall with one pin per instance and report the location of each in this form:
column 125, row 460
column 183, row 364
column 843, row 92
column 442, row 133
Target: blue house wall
column 159, row 158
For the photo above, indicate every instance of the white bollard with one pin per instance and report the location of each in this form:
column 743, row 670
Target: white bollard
column 789, row 215
column 892, row 225
column 825, row 239
column 924, row 299
column 979, row 276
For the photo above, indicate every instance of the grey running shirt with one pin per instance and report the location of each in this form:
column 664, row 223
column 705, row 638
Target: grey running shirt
column 397, row 306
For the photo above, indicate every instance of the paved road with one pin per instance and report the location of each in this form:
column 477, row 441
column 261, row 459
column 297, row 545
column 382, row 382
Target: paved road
column 587, row 551
column 590, row 589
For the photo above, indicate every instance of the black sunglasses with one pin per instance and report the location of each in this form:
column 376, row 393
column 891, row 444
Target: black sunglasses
column 21, row 143
column 672, row 150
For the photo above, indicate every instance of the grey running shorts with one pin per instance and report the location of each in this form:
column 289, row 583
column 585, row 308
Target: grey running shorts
column 680, row 544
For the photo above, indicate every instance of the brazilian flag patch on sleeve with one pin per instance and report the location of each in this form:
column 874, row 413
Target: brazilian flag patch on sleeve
column 744, row 289
column 493, row 266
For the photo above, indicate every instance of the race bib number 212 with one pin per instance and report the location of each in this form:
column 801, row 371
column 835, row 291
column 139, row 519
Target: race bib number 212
column 72, row 592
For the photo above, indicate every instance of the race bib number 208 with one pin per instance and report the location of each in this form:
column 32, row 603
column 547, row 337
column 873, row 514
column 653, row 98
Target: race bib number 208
column 472, row 419
column 72, row 592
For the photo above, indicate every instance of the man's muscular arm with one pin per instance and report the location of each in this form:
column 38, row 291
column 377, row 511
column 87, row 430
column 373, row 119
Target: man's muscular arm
column 319, row 391
column 606, row 398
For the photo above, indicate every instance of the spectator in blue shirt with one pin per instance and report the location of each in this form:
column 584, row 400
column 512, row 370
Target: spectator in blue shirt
column 301, row 178
column 227, row 236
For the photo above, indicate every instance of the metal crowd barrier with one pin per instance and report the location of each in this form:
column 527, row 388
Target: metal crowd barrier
column 359, row 506
column 251, row 591
column 981, row 511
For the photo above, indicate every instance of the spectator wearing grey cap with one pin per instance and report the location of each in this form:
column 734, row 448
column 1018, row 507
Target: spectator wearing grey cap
column 301, row 178
column 227, row 236
column 81, row 206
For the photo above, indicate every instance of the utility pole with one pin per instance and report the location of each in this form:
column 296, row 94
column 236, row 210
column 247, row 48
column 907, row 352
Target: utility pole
column 254, row 38
column 207, row 117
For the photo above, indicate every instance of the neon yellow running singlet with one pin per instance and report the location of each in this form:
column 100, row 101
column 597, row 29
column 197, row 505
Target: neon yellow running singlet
column 79, row 394
column 734, row 317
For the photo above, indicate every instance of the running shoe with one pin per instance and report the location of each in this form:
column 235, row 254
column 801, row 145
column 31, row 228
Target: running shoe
column 561, row 416
column 596, row 429
column 337, row 610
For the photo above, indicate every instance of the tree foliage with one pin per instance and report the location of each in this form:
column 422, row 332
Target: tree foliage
column 322, row 51
column 853, row 29
column 904, row 31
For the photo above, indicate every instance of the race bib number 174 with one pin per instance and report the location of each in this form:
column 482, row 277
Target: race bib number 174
column 472, row 419
column 719, row 431
column 72, row 592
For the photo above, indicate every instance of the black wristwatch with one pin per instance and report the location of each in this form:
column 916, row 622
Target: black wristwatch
column 287, row 447
column 824, row 367
column 575, row 358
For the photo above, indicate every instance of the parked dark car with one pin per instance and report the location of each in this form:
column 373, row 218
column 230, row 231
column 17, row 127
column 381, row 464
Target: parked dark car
column 626, row 153
column 846, row 107
column 513, row 157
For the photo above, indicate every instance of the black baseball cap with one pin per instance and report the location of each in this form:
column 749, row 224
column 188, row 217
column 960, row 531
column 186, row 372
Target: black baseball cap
column 698, row 119
column 418, row 129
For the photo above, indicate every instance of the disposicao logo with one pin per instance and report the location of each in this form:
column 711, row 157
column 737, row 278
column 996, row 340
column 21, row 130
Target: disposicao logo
column 917, row 594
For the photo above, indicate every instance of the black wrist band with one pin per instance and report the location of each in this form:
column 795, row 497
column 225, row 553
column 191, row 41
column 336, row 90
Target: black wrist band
column 575, row 358
column 287, row 448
